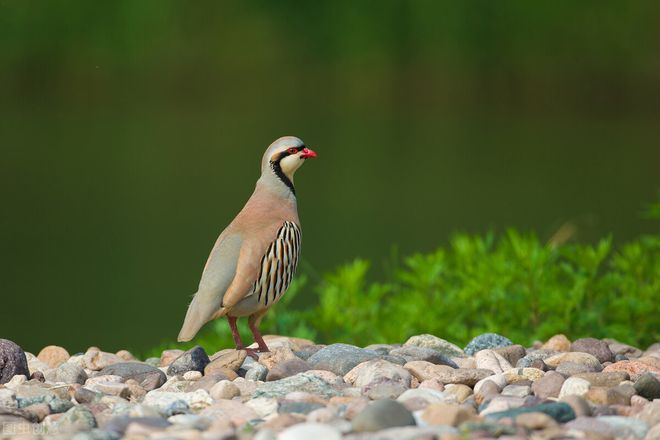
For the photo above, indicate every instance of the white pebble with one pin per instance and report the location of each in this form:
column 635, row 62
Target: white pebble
column 306, row 431
column 192, row 375
column 224, row 390
column 574, row 386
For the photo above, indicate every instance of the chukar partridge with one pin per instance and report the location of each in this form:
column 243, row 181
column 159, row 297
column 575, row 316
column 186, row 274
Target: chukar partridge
column 254, row 259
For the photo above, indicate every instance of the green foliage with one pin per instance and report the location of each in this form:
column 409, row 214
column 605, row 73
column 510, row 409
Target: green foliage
column 514, row 285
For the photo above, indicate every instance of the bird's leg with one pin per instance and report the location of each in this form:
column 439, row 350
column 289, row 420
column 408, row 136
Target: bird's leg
column 234, row 333
column 253, row 322
column 237, row 339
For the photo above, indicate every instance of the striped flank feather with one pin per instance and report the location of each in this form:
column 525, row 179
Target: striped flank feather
column 278, row 265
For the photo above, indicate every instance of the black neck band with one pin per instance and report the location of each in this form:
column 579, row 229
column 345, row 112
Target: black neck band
column 277, row 169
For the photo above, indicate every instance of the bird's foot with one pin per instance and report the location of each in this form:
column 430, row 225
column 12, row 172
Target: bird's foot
column 252, row 352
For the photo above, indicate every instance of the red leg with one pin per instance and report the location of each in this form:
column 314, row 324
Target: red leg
column 237, row 339
column 234, row 333
column 253, row 322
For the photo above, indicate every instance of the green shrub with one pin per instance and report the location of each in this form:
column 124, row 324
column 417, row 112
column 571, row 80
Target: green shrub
column 514, row 285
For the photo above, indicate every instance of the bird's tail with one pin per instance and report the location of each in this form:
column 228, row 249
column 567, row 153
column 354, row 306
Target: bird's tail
column 199, row 313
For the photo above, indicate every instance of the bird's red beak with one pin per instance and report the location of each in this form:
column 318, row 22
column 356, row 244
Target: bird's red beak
column 307, row 153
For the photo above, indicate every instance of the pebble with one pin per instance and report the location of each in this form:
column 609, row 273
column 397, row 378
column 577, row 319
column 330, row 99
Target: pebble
column 517, row 375
column 648, row 386
column 384, row 390
column 534, row 356
column 568, row 369
column 623, row 349
column 579, row 405
column 340, row 358
column 194, row 359
column 604, row 379
column 635, row 369
column 599, row 349
column 76, row 419
column 557, row 343
column 574, row 386
column 147, row 376
column 426, row 396
column 484, row 341
column 608, row 396
column 257, row 372
column 379, row 392
column 168, row 356
column 97, row 360
column 573, row 357
column 53, row 355
column 512, row 353
column 460, row 392
column 67, row 373
column 192, row 375
column 430, row 341
column 382, row 414
column 12, row 361
column 377, row 370
column 516, row 390
column 230, row 359
column 624, row 427
column 300, row 382
column 559, row 411
column 415, row 353
column 491, row 360
column 277, row 356
column 500, row 404
column 163, row 400
column 549, row 385
column 448, row 414
column 306, row 431
column 276, row 341
column 535, row 421
column 287, row 368
column 224, row 390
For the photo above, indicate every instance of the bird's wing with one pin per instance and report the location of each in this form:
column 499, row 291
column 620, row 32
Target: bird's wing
column 250, row 260
column 219, row 271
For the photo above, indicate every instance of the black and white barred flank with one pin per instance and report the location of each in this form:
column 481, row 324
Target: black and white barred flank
column 278, row 265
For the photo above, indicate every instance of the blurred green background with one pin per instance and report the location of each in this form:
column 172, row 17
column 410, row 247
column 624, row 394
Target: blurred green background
column 131, row 134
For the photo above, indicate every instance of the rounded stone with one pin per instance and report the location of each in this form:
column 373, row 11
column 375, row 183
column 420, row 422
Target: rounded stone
column 557, row 343
column 430, row 341
column 574, row 357
column 599, row 349
column 12, row 361
column 147, row 376
column 574, row 386
column 53, row 355
column 635, row 369
column 194, row 359
column 306, row 431
column 224, row 390
column 485, row 341
column 67, row 373
column 382, row 414
column 340, row 358
column 549, row 385
column 648, row 386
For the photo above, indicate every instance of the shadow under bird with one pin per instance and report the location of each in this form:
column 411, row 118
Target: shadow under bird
column 255, row 257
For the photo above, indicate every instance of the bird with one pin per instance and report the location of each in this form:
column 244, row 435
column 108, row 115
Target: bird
column 254, row 259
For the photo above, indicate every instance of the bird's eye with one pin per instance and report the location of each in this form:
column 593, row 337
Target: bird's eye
column 292, row 150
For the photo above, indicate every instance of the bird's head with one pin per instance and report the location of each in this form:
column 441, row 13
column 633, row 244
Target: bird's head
column 284, row 156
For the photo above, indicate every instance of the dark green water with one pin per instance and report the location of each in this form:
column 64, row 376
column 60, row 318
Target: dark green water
column 131, row 134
